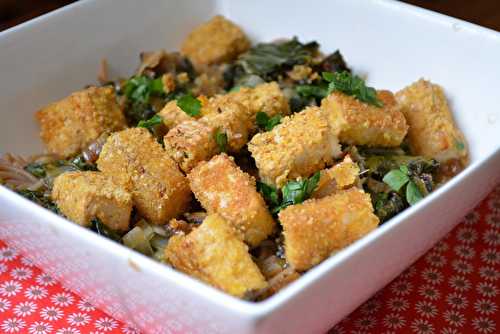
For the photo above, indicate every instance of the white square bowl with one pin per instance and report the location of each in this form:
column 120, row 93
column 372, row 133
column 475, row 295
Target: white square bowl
column 49, row 57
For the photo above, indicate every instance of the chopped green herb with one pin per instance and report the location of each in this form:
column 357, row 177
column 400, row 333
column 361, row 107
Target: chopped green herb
column 269, row 193
column 295, row 192
column 319, row 91
column 139, row 91
column 265, row 122
column 413, row 195
column 396, row 179
column 352, row 85
column 36, row 169
column 459, row 145
column 189, row 104
column 221, row 140
column 150, row 123
column 41, row 198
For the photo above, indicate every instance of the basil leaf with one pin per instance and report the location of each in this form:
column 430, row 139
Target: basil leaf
column 351, row 85
column 413, row 195
column 221, row 140
column 396, row 179
column 150, row 123
column 190, row 105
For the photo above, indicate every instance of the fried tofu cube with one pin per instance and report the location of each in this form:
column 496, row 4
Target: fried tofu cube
column 159, row 189
column 301, row 145
column 190, row 143
column 83, row 196
column 433, row 132
column 71, row 124
column 222, row 188
column 216, row 41
column 316, row 228
column 216, row 255
column 172, row 115
column 343, row 175
column 360, row 123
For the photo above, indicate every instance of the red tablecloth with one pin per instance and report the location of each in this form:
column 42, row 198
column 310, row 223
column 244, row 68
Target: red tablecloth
column 454, row 288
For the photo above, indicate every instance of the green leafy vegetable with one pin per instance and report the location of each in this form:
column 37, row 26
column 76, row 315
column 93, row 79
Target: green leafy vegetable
column 221, row 140
column 333, row 63
column 136, row 239
column 396, row 179
column 101, row 229
column 317, row 91
column 140, row 91
column 41, row 198
column 265, row 122
column 413, row 194
column 352, row 85
column 269, row 193
column 150, row 123
column 189, row 104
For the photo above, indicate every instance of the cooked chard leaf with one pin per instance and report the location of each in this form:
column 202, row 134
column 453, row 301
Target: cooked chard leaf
column 150, row 123
column 265, row 122
column 189, row 104
column 221, row 140
column 41, row 198
column 136, row 239
column 36, row 169
column 333, row 63
column 352, row 85
column 101, row 229
column 413, row 194
column 387, row 205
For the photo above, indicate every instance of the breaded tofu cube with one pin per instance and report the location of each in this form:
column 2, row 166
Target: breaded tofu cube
column 222, row 188
column 216, row 41
column 301, row 145
column 83, row 196
column 216, row 255
column 172, row 115
column 433, row 132
column 360, row 123
column 190, row 143
column 316, row 228
column 343, row 175
column 71, row 124
column 159, row 189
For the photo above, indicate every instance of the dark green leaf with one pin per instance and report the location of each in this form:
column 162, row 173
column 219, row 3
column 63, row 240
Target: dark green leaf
column 150, row 123
column 41, row 198
column 333, row 63
column 36, row 169
column 396, row 179
column 269, row 193
column 190, row 105
column 101, row 229
column 352, row 85
column 265, row 122
column 312, row 90
column 413, row 195
column 295, row 192
column 221, row 140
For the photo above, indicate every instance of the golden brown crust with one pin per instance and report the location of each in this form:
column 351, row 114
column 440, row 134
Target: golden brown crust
column 214, row 254
column 222, row 188
column 362, row 124
column 172, row 115
column 433, row 132
column 301, row 145
column 159, row 189
column 71, row 124
column 83, row 196
column 216, row 41
column 343, row 175
column 318, row 227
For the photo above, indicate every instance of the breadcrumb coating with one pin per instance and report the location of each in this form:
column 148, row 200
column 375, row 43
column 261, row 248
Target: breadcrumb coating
column 216, row 255
column 433, row 132
column 222, row 188
column 343, row 175
column 216, row 41
column 318, row 227
column 83, row 196
column 360, row 123
column 301, row 145
column 71, row 124
column 172, row 115
column 159, row 189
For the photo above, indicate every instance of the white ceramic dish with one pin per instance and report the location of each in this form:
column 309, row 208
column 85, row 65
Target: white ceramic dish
column 51, row 56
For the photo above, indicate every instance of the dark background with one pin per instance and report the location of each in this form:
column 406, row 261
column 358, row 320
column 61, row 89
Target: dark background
column 482, row 12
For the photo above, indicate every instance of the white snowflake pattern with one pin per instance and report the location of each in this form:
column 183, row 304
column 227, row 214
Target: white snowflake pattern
column 394, row 321
column 449, row 330
column 429, row 292
column 494, row 204
column 21, row 274
column 79, row 319
column 485, row 306
column 62, row 299
column 462, row 267
column 432, row 276
column 25, row 309
column 441, row 246
column 490, row 256
column 10, row 288
column 51, row 313
column 491, row 238
column 13, row 325
column 68, row 330
column 435, row 259
column 460, row 283
column 493, row 219
column 366, row 323
column 370, row 307
column 27, row 262
column 7, row 254
column 35, row 292
column 3, row 268
column 4, row 305
column 457, row 301
column 471, row 218
column 421, row 326
column 45, row 280
column 489, row 273
column 398, row 304
column 454, row 318
column 106, row 324
column 426, row 309
column 401, row 288
column 465, row 252
column 487, row 289
column 85, row 306
column 483, row 325
column 131, row 330
column 39, row 327
column 466, row 235
column 408, row 273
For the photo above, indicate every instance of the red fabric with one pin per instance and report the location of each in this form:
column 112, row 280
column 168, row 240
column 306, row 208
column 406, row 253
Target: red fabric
column 454, row 288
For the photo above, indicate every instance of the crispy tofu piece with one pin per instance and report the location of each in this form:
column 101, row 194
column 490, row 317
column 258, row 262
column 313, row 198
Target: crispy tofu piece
column 71, row 124
column 222, row 188
column 216, row 255
column 190, row 143
column 172, row 115
column 433, row 132
column 216, row 41
column 301, row 145
column 316, row 228
column 360, row 123
column 83, row 196
column 159, row 189
column 343, row 175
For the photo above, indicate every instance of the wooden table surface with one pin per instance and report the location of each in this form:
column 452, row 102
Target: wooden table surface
column 482, row 12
